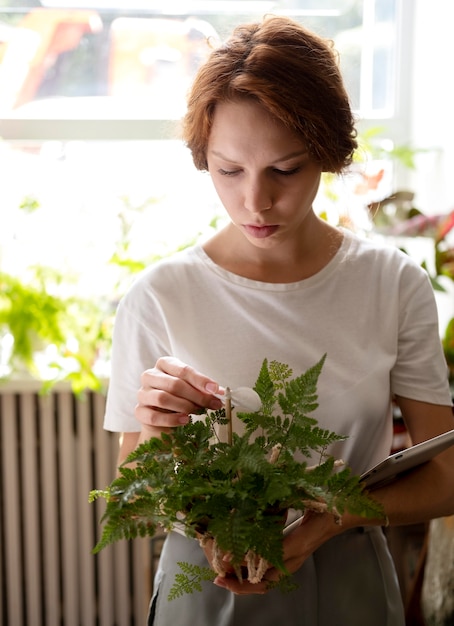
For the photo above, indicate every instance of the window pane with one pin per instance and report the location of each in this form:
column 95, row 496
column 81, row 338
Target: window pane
column 126, row 61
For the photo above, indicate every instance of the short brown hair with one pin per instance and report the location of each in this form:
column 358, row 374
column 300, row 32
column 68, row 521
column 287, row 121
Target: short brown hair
column 290, row 71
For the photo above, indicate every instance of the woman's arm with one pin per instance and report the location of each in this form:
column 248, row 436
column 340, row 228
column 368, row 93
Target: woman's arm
column 427, row 492
column 127, row 444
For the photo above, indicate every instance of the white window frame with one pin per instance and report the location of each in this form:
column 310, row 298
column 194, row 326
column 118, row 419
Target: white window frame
column 38, row 129
column 398, row 126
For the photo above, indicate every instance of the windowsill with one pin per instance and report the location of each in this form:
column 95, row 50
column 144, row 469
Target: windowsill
column 23, row 129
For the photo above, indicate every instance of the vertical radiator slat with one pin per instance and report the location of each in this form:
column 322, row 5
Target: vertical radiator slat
column 142, row 582
column 105, row 467
column 68, row 530
column 30, row 508
column 50, row 499
column 12, row 512
column 122, row 582
column 84, row 456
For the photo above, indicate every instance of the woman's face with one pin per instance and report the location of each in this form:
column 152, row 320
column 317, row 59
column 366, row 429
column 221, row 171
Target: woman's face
column 262, row 172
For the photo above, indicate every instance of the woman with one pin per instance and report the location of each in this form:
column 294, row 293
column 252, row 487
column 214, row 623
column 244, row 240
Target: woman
column 268, row 114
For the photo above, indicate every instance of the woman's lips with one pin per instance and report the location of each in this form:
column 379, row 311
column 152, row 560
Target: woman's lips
column 260, row 232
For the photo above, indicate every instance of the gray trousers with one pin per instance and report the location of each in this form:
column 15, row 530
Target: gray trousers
column 349, row 581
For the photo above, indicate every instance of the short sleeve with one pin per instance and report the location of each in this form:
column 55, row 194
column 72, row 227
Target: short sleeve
column 420, row 371
column 136, row 347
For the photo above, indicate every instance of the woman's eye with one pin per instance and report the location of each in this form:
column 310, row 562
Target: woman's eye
column 228, row 172
column 295, row 170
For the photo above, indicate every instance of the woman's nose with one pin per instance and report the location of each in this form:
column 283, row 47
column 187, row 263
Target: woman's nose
column 258, row 196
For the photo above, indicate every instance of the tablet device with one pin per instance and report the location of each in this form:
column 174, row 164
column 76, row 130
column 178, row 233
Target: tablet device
column 406, row 459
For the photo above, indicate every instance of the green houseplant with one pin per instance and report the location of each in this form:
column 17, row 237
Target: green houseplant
column 50, row 329
column 236, row 492
column 66, row 331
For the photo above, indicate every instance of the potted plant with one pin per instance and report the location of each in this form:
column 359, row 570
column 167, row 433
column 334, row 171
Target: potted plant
column 236, row 491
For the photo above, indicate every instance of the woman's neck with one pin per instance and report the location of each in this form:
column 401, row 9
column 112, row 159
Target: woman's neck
column 297, row 260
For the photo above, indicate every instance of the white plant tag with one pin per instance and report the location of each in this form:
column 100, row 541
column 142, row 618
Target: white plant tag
column 243, row 398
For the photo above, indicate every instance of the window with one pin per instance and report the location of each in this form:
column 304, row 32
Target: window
column 93, row 179
column 117, row 62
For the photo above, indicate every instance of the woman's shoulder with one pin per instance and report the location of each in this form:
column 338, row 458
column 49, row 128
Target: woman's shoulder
column 380, row 252
column 168, row 270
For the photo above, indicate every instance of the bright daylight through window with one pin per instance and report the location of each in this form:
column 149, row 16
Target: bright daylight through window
column 95, row 183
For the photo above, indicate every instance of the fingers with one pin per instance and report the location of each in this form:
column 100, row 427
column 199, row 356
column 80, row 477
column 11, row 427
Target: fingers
column 295, row 553
column 156, row 420
column 172, row 390
column 242, row 588
column 245, row 587
column 181, row 371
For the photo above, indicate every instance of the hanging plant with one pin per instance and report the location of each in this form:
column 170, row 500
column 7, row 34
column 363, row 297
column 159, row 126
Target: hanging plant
column 236, row 492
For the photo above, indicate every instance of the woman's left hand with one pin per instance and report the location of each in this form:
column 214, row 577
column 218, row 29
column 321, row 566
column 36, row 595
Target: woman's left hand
column 315, row 529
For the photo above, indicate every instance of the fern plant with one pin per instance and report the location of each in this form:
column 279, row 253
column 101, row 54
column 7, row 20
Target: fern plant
column 235, row 493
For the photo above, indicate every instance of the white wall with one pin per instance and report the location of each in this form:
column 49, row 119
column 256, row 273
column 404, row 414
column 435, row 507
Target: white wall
column 432, row 124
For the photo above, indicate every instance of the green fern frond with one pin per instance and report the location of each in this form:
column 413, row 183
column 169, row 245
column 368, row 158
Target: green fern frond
column 95, row 494
column 265, row 388
column 279, row 374
column 190, row 579
column 300, row 394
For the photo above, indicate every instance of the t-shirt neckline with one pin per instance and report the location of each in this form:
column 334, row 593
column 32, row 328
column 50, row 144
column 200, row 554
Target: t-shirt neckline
column 315, row 279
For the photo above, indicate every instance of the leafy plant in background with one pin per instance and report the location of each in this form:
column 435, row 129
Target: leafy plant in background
column 371, row 145
column 38, row 319
column 236, row 492
column 49, row 331
column 371, row 148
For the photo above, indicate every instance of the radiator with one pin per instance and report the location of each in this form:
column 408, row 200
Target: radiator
column 53, row 451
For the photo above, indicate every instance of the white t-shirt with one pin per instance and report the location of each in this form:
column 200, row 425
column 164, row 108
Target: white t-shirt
column 371, row 310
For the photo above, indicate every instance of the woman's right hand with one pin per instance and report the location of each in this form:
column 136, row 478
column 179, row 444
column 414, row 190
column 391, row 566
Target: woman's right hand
column 169, row 392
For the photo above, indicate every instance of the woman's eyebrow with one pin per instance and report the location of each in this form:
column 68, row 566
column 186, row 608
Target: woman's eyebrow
column 287, row 157
column 222, row 156
column 292, row 155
